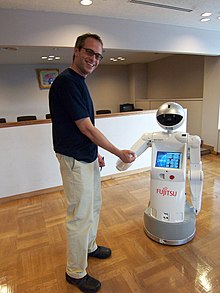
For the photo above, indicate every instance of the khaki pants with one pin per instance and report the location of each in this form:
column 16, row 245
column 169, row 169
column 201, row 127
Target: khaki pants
column 81, row 182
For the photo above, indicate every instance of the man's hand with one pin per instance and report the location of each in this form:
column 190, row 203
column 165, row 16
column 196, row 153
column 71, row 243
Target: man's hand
column 127, row 156
column 101, row 161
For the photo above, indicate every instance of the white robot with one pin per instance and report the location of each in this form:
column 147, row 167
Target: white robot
column 169, row 218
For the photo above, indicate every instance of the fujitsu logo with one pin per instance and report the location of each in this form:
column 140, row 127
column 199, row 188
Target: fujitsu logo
column 166, row 192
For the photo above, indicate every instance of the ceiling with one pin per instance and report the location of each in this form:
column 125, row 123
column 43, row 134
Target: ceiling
column 124, row 9
column 186, row 13
column 32, row 55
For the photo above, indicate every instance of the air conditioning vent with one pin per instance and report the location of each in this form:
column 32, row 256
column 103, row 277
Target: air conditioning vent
column 158, row 5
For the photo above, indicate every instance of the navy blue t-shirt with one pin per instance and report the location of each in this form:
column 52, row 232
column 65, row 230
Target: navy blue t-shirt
column 69, row 101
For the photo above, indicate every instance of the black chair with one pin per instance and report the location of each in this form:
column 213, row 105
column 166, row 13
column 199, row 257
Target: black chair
column 98, row 112
column 26, row 118
column 2, row 120
column 128, row 108
column 48, row 116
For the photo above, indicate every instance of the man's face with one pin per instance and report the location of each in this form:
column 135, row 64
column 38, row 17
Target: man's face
column 87, row 59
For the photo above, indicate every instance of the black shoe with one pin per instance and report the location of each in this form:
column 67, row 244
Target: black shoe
column 101, row 252
column 86, row 284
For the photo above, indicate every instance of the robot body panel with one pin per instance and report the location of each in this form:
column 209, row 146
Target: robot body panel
column 167, row 201
column 170, row 219
column 168, row 176
column 171, row 233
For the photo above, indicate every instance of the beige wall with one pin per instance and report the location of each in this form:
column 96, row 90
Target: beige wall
column 109, row 87
column 194, row 111
column 20, row 93
column 176, row 76
column 170, row 78
column 137, row 81
column 211, row 101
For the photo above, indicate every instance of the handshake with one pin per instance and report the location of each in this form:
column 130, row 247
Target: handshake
column 125, row 160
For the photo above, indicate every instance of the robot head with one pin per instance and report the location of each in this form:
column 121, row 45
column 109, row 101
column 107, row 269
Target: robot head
column 170, row 116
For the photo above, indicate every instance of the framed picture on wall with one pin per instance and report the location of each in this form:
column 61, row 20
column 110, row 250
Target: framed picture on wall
column 46, row 77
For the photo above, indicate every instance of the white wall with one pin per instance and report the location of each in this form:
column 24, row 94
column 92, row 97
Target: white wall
column 28, row 162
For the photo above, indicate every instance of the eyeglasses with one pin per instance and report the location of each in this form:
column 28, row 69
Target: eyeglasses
column 91, row 53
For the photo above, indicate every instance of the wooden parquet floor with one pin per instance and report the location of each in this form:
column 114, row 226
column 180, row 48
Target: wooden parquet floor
column 33, row 243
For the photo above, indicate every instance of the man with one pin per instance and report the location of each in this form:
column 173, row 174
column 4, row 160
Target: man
column 75, row 140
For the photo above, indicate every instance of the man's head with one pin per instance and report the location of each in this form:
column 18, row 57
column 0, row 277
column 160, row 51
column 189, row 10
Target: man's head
column 87, row 53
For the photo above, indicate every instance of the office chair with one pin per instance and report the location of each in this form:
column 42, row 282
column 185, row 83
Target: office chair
column 26, row 118
column 2, row 120
column 128, row 108
column 98, row 112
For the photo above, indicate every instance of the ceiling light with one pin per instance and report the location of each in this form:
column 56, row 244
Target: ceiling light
column 86, row 2
column 218, row 17
column 204, row 19
column 119, row 58
column 206, row 14
column 50, row 58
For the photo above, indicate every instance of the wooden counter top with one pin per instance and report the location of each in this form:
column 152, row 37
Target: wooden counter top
column 44, row 121
column 24, row 123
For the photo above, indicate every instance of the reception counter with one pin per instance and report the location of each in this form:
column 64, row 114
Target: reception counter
column 28, row 162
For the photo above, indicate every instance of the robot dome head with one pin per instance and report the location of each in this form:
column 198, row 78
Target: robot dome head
column 170, row 116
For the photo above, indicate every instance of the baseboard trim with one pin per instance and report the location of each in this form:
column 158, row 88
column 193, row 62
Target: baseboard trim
column 30, row 194
column 211, row 148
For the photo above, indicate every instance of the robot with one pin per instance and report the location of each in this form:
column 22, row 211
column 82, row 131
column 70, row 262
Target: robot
column 170, row 218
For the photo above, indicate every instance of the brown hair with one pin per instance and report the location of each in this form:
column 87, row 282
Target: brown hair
column 80, row 41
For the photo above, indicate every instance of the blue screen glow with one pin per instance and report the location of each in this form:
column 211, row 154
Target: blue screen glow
column 168, row 160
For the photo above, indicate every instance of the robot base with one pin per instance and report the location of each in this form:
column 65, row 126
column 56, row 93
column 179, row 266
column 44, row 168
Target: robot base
column 171, row 233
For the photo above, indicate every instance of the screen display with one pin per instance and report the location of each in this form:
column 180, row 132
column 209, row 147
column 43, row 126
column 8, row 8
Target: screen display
column 168, row 160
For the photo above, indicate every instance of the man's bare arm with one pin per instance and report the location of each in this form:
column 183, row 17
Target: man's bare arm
column 97, row 137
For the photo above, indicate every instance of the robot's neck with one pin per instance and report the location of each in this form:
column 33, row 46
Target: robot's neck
column 169, row 131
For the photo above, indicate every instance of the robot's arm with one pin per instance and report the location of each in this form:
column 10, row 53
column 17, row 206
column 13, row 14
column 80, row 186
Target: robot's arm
column 139, row 147
column 195, row 174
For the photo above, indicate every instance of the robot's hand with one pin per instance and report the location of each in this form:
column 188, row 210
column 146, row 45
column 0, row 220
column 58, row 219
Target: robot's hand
column 130, row 156
column 121, row 166
column 139, row 147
